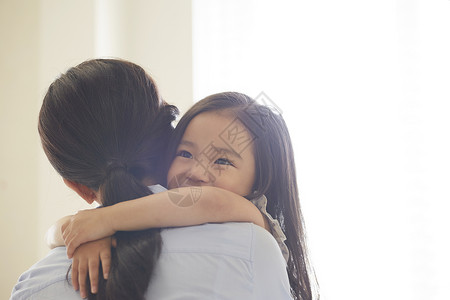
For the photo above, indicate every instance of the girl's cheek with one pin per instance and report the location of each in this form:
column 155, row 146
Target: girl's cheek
column 179, row 167
column 171, row 172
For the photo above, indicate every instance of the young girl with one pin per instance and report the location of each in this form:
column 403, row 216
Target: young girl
column 224, row 148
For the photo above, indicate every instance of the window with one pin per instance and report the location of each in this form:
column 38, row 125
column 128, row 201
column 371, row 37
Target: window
column 364, row 88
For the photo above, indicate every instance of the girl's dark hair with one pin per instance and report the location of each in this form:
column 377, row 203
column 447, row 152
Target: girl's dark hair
column 275, row 175
column 103, row 125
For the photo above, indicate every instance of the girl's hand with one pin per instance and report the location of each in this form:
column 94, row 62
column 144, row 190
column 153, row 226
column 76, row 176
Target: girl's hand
column 86, row 259
column 87, row 225
column 54, row 236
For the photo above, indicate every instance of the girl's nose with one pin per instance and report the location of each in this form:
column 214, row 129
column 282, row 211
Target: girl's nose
column 199, row 173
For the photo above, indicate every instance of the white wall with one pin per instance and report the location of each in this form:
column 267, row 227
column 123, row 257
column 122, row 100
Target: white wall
column 41, row 39
column 18, row 139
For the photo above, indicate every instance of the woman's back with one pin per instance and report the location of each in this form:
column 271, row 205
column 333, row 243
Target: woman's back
column 211, row 261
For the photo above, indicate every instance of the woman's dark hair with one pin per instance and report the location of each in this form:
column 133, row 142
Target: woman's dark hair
column 275, row 175
column 103, row 125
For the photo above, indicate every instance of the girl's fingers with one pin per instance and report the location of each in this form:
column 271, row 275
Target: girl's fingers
column 105, row 257
column 82, row 271
column 75, row 275
column 93, row 275
column 72, row 245
column 66, row 233
column 69, row 249
column 64, row 227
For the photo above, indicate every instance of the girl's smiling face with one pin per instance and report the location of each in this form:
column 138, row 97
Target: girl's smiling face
column 215, row 150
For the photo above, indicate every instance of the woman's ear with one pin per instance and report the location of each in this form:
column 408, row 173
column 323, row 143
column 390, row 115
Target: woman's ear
column 86, row 193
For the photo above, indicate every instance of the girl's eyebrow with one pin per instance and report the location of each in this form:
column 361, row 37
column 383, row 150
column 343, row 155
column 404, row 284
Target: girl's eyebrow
column 228, row 151
column 219, row 150
column 187, row 143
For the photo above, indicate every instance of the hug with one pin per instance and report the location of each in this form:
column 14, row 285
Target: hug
column 206, row 210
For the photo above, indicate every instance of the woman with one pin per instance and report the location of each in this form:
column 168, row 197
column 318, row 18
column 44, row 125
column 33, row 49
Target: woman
column 112, row 128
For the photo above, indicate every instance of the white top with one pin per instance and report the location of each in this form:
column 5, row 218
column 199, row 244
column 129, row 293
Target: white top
column 210, row 261
column 220, row 261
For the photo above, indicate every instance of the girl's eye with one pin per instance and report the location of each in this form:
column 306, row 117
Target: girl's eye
column 223, row 161
column 184, row 153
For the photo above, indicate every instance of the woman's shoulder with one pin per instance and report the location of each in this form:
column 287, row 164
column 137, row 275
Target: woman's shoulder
column 265, row 242
column 46, row 279
column 277, row 232
column 239, row 239
column 236, row 238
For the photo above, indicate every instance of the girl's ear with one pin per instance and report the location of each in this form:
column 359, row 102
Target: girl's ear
column 86, row 193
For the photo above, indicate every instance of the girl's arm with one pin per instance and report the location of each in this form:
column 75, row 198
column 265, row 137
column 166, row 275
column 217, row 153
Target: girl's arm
column 166, row 209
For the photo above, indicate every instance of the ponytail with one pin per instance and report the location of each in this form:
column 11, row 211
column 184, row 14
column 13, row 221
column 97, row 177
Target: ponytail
column 135, row 255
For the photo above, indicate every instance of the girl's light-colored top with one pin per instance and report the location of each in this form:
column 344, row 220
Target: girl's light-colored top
column 277, row 232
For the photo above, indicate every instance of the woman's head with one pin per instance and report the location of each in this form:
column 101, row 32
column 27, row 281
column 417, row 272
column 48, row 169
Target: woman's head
column 231, row 128
column 104, row 127
column 103, row 115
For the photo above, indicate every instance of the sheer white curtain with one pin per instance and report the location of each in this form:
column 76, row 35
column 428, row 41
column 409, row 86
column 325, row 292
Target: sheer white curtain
column 364, row 88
